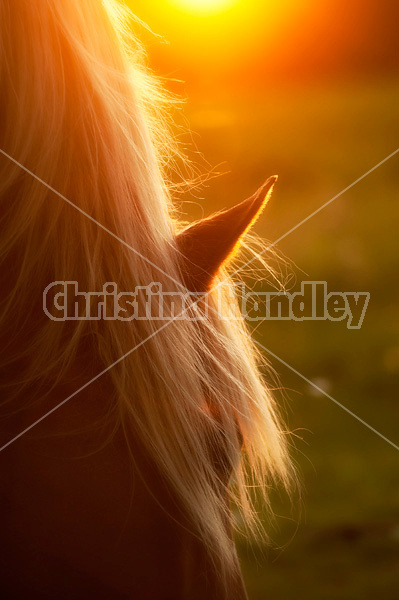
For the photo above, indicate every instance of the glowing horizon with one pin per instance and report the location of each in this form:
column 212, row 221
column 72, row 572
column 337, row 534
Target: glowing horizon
column 204, row 7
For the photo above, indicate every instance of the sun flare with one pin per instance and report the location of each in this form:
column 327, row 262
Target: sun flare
column 204, row 7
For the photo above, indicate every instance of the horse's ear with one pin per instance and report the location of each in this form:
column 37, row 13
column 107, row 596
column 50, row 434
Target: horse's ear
column 208, row 244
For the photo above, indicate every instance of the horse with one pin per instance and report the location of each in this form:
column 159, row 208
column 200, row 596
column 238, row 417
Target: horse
column 123, row 443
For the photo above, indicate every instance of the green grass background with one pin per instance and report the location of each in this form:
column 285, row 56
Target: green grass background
column 341, row 540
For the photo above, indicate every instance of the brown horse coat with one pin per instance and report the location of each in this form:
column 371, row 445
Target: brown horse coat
column 78, row 521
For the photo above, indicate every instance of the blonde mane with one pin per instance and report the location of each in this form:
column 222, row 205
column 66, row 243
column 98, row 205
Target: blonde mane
column 82, row 112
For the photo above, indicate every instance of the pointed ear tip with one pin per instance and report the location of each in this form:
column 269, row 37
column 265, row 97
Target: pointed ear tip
column 263, row 194
column 269, row 183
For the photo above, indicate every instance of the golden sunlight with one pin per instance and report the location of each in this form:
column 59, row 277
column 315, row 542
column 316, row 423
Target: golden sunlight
column 204, row 7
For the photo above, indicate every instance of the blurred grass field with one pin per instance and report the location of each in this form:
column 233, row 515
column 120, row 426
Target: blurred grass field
column 344, row 542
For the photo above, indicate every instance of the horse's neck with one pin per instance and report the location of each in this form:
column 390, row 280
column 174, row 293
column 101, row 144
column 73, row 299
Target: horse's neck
column 94, row 515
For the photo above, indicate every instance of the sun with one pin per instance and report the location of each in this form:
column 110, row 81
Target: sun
column 204, row 7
